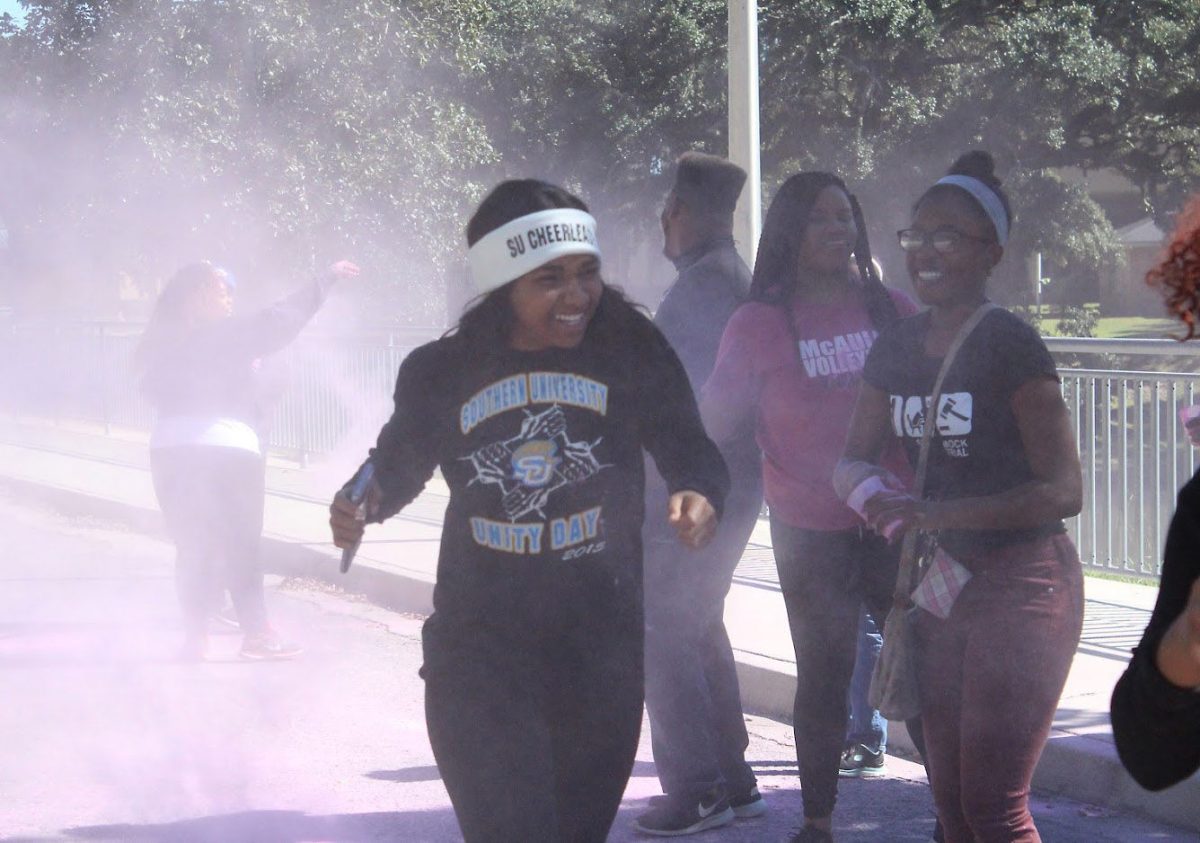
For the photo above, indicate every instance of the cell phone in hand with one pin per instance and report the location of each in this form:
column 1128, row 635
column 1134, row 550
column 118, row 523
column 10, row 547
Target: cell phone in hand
column 358, row 497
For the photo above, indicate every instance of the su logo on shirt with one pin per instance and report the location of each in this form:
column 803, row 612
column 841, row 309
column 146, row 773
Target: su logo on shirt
column 534, row 463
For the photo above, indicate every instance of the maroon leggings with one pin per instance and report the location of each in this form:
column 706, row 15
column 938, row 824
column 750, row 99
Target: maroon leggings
column 990, row 676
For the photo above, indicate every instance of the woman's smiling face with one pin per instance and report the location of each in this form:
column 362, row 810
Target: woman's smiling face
column 554, row 303
column 829, row 234
column 959, row 275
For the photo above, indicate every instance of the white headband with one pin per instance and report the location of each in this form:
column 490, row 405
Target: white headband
column 527, row 242
column 987, row 198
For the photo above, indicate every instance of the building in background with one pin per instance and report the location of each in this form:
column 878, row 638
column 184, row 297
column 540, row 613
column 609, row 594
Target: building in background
column 1142, row 239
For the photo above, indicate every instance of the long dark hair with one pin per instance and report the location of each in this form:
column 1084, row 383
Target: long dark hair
column 173, row 312
column 489, row 319
column 776, row 273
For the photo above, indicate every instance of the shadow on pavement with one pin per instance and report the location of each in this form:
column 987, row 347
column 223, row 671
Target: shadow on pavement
column 429, row 773
column 407, row 775
column 1074, row 718
column 884, row 810
column 284, row 827
column 644, row 769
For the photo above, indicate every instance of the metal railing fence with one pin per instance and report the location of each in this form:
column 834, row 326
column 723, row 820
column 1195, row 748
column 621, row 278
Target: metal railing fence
column 1133, row 449
column 325, row 387
column 1134, row 452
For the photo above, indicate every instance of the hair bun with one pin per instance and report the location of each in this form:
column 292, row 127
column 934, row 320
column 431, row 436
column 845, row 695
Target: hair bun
column 978, row 163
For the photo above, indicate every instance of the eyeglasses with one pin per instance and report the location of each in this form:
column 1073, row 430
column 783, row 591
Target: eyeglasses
column 943, row 240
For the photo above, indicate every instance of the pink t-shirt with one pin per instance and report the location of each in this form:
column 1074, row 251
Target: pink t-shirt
column 801, row 389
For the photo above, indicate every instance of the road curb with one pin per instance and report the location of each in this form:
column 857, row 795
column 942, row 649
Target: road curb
column 1075, row 766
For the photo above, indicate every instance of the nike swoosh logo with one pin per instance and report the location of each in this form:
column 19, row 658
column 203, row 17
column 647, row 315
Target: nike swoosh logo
column 706, row 811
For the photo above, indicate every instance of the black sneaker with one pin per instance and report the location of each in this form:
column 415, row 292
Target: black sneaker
column 858, row 762
column 811, row 834
column 747, row 804
column 672, row 817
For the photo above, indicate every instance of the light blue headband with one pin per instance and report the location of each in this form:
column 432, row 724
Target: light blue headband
column 987, row 198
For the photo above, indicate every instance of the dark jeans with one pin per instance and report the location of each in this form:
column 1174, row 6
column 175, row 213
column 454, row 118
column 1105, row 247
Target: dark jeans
column 698, row 734
column 532, row 745
column 827, row 578
column 867, row 726
column 212, row 501
column 991, row 675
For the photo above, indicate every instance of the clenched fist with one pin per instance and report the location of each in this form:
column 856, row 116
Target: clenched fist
column 693, row 517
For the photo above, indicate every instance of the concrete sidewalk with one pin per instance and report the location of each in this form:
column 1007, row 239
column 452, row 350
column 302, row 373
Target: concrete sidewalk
column 79, row 469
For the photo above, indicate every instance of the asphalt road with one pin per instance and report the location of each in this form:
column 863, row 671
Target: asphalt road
column 107, row 737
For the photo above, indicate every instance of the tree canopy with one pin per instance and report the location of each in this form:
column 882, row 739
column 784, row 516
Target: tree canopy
column 275, row 134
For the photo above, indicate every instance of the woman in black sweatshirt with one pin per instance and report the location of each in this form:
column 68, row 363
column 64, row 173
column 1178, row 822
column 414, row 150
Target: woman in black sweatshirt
column 536, row 410
column 1156, row 704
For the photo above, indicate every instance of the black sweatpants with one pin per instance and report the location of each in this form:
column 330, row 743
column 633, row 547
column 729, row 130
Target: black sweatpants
column 826, row 578
column 535, row 741
column 212, row 501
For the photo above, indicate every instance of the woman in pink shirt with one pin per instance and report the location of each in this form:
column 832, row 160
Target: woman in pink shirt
column 792, row 358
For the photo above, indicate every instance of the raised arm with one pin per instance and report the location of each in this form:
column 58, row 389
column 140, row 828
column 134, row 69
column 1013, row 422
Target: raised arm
column 266, row 331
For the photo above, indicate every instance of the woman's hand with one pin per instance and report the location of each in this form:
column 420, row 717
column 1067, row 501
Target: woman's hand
column 1178, row 656
column 693, row 517
column 343, row 270
column 893, row 514
column 347, row 519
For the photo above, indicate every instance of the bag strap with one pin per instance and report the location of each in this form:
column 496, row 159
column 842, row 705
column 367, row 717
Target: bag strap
column 908, row 550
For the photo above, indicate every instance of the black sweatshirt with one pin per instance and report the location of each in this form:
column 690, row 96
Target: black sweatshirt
column 1156, row 725
column 209, row 371
column 542, row 452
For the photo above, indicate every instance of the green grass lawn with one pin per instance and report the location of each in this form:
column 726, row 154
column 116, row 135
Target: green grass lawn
column 1118, row 327
column 1099, row 574
column 1141, row 327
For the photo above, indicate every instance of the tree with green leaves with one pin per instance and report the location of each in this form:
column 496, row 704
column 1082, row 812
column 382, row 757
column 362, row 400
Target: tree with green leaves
column 270, row 135
column 890, row 91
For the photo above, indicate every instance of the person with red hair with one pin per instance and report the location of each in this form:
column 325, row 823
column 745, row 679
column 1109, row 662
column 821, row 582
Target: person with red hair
column 1156, row 703
column 1178, row 274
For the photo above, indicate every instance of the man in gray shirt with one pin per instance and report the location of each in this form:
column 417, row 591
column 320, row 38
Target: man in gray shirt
column 697, row 730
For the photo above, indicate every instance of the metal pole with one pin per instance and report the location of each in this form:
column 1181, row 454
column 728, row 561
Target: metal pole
column 743, row 122
column 1037, row 286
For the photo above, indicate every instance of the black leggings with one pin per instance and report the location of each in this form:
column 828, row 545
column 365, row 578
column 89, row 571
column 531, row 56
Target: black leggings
column 212, row 501
column 826, row 578
column 532, row 748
